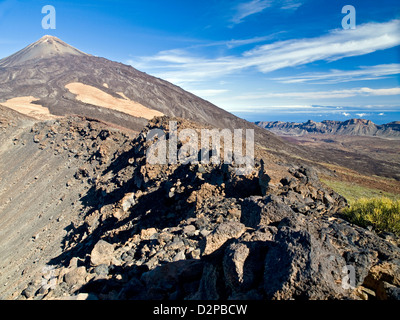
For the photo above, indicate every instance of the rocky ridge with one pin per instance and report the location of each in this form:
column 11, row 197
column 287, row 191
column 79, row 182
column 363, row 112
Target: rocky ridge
column 197, row 231
column 353, row 127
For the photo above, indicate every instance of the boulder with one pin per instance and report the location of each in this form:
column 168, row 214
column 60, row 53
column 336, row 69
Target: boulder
column 189, row 230
column 234, row 264
column 263, row 211
column 76, row 276
column 127, row 201
column 146, row 234
column 384, row 279
column 102, row 253
column 300, row 265
column 221, row 234
column 101, row 270
column 242, row 262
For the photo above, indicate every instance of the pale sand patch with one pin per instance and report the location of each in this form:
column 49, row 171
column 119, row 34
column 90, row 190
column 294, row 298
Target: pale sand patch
column 25, row 106
column 97, row 97
column 123, row 95
column 105, row 85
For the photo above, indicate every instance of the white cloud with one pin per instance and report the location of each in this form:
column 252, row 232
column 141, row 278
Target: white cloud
column 381, row 92
column 208, row 92
column 381, row 114
column 266, row 106
column 277, row 108
column 361, row 115
column 234, row 43
column 174, row 56
column 291, row 5
column 181, row 66
column 317, row 95
column 333, row 46
column 245, row 9
column 338, row 76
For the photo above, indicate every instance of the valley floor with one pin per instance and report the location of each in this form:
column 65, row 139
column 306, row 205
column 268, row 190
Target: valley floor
column 355, row 166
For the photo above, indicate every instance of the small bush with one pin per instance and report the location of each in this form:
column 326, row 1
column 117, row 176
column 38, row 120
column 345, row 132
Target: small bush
column 383, row 214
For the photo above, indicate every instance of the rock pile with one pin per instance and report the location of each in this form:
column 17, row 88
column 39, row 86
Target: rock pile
column 197, row 231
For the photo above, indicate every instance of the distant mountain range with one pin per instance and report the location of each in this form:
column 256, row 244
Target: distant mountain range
column 352, row 127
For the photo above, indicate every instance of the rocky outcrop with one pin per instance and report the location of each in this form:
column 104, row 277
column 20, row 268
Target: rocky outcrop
column 201, row 232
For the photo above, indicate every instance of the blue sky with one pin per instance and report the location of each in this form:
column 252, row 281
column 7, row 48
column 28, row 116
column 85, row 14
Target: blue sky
column 287, row 60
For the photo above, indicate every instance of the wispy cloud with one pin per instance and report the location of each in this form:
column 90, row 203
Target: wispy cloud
column 338, row 76
column 245, row 9
column 248, row 8
column 317, row 95
column 208, row 92
column 337, row 44
column 290, row 5
column 380, row 92
column 182, row 66
column 278, row 108
column 234, row 43
column 345, row 111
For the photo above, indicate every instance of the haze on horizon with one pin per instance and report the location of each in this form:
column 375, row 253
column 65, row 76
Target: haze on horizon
column 262, row 60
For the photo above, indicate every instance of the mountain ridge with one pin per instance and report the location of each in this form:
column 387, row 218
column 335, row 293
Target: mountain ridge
column 46, row 78
column 358, row 127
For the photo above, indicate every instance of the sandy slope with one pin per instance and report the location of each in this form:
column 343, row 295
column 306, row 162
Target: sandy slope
column 94, row 96
column 25, row 106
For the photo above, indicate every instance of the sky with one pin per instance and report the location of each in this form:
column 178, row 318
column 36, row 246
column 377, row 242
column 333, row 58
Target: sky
column 263, row 60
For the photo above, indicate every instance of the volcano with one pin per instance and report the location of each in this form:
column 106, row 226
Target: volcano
column 63, row 80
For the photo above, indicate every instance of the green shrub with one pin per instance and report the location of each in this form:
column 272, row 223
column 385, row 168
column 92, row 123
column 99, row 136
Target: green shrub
column 383, row 214
column 352, row 191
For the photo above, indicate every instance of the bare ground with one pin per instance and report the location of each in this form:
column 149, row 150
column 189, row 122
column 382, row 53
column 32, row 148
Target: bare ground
column 371, row 162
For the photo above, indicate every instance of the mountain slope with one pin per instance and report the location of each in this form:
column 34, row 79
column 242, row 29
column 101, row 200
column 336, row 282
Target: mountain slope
column 46, row 70
column 352, row 127
column 41, row 185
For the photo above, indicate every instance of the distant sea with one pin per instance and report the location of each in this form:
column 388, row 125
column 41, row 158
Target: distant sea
column 304, row 117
